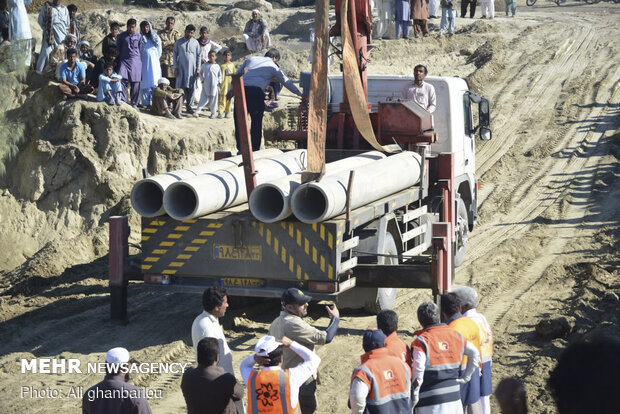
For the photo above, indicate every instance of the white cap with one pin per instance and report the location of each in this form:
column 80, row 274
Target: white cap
column 163, row 80
column 266, row 345
column 117, row 356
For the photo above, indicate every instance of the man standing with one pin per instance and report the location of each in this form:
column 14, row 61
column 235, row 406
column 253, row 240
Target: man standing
column 437, row 353
column 511, row 8
column 208, row 388
column 402, row 14
column 448, row 17
column 169, row 37
column 387, row 321
column 469, row 300
column 186, row 61
column 114, row 394
column 110, row 40
column 421, row 92
column 382, row 384
column 73, row 77
column 472, row 8
column 488, row 9
column 386, row 13
column 214, row 304
column 291, row 325
column 258, row 72
column 54, row 20
column 273, row 385
column 419, row 15
column 130, row 65
column 74, row 23
column 451, row 313
column 19, row 32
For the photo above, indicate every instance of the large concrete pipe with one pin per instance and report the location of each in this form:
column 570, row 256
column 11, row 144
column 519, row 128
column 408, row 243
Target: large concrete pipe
column 210, row 192
column 147, row 195
column 270, row 202
column 319, row 201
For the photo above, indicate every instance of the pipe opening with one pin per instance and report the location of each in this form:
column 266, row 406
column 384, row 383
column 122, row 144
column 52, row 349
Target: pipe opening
column 266, row 203
column 309, row 204
column 180, row 201
column 147, row 198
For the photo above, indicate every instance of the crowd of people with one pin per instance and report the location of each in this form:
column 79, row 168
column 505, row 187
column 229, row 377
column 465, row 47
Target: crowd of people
column 447, row 368
column 417, row 13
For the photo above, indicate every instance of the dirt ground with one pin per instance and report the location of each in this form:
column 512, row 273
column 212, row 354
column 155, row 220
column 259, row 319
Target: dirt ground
column 546, row 245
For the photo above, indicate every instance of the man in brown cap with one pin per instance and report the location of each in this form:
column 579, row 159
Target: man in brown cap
column 291, row 325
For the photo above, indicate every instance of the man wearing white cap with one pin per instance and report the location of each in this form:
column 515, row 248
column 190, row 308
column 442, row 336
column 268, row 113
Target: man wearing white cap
column 114, row 394
column 167, row 101
column 272, row 387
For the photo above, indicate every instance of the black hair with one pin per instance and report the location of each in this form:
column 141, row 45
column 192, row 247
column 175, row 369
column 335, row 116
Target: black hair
column 450, row 304
column 108, row 65
column 275, row 356
column 115, row 25
column 72, row 51
column 273, row 53
column 170, row 18
column 207, row 351
column 510, row 392
column 421, row 66
column 143, row 24
column 212, row 51
column 112, row 51
column 428, row 314
column 72, row 8
column 225, row 51
column 213, row 297
column 387, row 321
column 587, row 369
column 189, row 28
column 131, row 22
column 204, row 29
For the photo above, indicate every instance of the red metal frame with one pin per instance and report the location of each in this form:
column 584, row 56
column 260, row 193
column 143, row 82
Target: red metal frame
column 442, row 258
column 243, row 125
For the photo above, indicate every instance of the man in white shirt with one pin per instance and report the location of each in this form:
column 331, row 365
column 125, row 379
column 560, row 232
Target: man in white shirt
column 215, row 303
column 421, row 92
column 271, row 377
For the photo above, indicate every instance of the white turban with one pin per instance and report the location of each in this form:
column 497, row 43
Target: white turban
column 164, row 81
column 117, row 356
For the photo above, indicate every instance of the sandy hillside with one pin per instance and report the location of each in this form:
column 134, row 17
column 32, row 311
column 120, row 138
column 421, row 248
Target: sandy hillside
column 546, row 245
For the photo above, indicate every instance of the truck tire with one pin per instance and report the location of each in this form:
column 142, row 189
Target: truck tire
column 384, row 297
column 462, row 232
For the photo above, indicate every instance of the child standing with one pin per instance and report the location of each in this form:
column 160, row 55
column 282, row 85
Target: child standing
column 211, row 78
column 110, row 86
column 228, row 69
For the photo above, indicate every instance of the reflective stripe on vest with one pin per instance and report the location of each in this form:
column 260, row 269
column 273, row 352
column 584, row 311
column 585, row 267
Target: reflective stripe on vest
column 396, row 402
column 444, row 349
column 269, row 399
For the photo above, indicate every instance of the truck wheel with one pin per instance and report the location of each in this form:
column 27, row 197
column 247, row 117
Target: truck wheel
column 384, row 298
column 462, row 232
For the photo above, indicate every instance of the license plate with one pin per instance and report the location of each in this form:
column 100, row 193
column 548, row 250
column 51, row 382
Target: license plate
column 242, row 282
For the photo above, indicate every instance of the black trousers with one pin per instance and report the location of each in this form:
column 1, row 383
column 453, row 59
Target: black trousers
column 255, row 104
column 134, row 96
column 472, row 8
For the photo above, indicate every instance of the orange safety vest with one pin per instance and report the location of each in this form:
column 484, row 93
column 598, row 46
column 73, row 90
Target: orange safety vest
column 469, row 330
column 388, row 379
column 269, row 391
column 444, row 348
column 398, row 348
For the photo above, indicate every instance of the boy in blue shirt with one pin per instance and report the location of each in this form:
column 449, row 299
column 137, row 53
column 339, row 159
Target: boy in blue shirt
column 110, row 86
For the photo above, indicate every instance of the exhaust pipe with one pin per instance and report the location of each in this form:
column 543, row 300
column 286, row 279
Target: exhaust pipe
column 147, row 195
column 210, row 192
column 271, row 201
column 318, row 201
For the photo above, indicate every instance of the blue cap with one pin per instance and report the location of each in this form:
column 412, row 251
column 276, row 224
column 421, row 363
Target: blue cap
column 373, row 339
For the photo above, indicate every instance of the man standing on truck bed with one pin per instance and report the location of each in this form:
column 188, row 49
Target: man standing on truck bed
column 291, row 325
column 419, row 91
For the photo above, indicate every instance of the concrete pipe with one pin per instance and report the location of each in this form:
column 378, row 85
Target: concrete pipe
column 319, row 201
column 210, row 192
column 270, row 202
column 147, row 195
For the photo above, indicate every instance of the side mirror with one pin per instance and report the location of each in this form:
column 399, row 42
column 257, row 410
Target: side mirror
column 485, row 133
column 484, row 112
